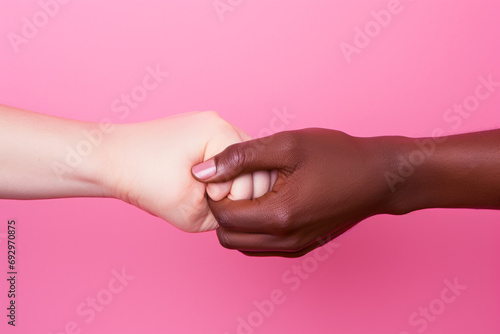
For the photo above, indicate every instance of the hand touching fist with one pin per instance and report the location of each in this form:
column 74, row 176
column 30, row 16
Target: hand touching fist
column 327, row 182
column 149, row 165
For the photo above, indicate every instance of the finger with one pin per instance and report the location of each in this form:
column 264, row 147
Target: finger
column 282, row 253
column 276, row 253
column 273, row 152
column 293, row 254
column 247, row 216
column 259, row 242
column 261, row 183
column 218, row 191
column 242, row 241
column 242, row 188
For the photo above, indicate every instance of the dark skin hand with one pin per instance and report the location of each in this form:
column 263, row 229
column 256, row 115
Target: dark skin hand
column 329, row 181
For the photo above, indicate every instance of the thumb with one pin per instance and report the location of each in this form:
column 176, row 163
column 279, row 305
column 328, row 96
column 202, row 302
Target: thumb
column 246, row 157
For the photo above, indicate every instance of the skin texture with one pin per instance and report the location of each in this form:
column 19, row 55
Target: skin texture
column 329, row 181
column 145, row 164
column 150, row 167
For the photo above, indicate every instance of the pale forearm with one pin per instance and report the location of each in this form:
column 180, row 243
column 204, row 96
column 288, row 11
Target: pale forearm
column 145, row 164
column 43, row 156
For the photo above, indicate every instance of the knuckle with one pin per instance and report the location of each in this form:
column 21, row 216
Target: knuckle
column 210, row 114
column 295, row 243
column 284, row 221
column 217, row 123
column 224, row 239
column 289, row 141
column 222, row 218
column 236, row 156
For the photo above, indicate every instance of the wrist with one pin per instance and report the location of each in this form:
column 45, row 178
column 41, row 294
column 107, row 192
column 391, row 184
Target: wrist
column 408, row 163
column 98, row 169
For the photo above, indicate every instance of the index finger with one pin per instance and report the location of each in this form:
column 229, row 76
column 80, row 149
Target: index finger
column 248, row 216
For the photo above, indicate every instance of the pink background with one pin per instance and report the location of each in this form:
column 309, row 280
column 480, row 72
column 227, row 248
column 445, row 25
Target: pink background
column 263, row 56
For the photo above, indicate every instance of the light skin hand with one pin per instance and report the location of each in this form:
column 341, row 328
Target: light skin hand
column 145, row 164
column 151, row 167
column 329, row 181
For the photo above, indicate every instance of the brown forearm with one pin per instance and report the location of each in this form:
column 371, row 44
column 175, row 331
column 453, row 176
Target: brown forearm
column 460, row 171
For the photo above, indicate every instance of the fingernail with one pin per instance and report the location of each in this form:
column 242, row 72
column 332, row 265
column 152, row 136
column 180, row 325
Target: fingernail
column 205, row 170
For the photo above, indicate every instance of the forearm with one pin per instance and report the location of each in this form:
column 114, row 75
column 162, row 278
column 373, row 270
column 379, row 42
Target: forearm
column 463, row 171
column 40, row 158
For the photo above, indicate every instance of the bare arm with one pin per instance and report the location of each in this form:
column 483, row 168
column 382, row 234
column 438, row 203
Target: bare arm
column 36, row 159
column 461, row 171
column 145, row 164
column 329, row 181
